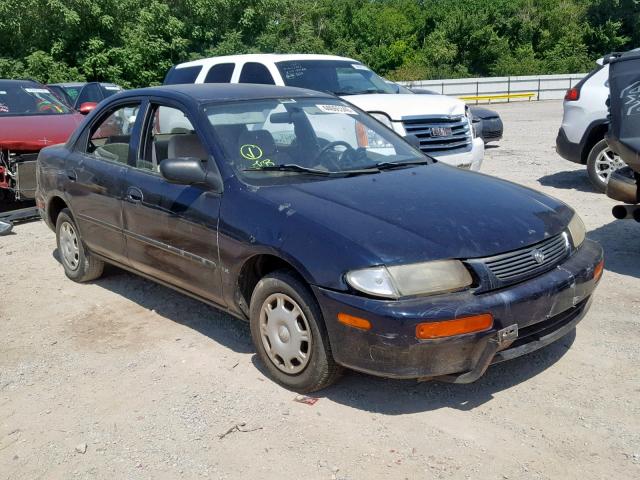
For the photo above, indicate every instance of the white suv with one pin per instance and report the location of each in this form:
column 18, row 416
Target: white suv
column 584, row 124
column 442, row 124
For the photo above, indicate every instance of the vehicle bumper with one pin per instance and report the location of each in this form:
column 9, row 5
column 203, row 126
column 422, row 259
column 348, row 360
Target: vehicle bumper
column 567, row 149
column 540, row 310
column 471, row 160
column 492, row 130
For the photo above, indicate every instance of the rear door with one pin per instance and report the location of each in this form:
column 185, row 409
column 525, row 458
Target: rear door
column 94, row 173
column 171, row 230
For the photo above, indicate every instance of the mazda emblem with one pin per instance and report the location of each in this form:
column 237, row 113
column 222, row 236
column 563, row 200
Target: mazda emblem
column 538, row 255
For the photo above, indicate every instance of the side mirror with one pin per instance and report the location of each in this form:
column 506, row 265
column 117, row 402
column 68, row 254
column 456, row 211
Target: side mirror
column 87, row 107
column 413, row 140
column 189, row 171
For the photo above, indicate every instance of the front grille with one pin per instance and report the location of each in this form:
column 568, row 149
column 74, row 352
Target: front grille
column 422, row 127
column 513, row 266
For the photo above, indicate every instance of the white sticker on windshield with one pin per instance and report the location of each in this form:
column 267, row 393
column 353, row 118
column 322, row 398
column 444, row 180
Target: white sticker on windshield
column 359, row 66
column 2, row 92
column 337, row 109
column 112, row 88
column 36, row 90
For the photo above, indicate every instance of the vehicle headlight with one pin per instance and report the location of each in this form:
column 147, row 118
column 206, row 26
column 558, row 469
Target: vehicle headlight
column 383, row 119
column 415, row 279
column 577, row 230
column 472, row 126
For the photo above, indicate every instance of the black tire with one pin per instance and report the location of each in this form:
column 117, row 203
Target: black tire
column 87, row 266
column 592, row 170
column 321, row 369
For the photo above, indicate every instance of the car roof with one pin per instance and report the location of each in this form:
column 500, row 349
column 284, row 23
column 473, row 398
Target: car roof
column 81, row 84
column 222, row 92
column 262, row 57
column 14, row 82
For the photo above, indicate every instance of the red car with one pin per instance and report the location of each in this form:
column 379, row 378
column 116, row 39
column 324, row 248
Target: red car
column 31, row 117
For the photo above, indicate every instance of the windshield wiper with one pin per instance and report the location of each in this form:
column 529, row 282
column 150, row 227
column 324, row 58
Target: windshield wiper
column 391, row 165
column 361, row 92
column 289, row 167
column 292, row 167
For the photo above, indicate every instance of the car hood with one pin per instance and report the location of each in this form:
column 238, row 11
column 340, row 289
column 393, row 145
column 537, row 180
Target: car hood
column 407, row 105
column 424, row 213
column 33, row 132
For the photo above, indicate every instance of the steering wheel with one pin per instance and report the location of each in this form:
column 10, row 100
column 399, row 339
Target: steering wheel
column 332, row 145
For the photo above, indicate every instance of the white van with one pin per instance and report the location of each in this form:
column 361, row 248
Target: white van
column 442, row 124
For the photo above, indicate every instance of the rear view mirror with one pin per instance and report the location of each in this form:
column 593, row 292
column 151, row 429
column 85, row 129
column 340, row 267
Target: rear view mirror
column 87, row 107
column 280, row 117
column 189, row 171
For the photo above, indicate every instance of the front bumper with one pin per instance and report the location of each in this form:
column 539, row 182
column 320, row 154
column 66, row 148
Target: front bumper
column 541, row 309
column 471, row 160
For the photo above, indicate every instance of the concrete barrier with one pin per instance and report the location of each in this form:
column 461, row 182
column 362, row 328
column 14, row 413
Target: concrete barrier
column 545, row 87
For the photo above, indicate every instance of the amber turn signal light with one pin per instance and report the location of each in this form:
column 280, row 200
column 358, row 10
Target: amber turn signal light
column 597, row 271
column 459, row 326
column 355, row 322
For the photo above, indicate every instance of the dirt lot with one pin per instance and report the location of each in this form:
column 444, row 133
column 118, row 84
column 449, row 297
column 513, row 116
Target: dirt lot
column 123, row 378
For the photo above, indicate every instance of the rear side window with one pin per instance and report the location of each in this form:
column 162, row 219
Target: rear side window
column 256, row 73
column 176, row 76
column 109, row 138
column 220, row 73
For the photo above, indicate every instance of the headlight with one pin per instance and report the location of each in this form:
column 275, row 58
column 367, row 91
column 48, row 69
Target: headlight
column 383, row 119
column 577, row 230
column 472, row 126
column 406, row 280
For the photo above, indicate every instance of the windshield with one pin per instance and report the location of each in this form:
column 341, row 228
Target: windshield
column 334, row 76
column 324, row 135
column 29, row 99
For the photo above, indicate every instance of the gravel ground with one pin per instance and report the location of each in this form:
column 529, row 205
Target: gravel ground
column 123, row 378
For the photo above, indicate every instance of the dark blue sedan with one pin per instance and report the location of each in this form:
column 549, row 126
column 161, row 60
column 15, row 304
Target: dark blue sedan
column 340, row 243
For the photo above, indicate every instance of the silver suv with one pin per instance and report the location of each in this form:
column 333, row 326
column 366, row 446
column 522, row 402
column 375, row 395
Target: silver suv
column 584, row 124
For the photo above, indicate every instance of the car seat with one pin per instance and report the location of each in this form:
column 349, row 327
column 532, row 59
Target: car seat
column 184, row 146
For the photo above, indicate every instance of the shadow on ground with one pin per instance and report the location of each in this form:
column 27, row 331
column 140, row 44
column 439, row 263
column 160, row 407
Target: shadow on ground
column 568, row 180
column 209, row 321
column 620, row 240
column 398, row 397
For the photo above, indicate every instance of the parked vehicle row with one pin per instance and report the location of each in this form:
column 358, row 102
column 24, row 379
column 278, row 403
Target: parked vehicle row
column 340, row 250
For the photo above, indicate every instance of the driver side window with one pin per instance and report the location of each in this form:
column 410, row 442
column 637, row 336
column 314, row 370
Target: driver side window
column 169, row 134
column 109, row 138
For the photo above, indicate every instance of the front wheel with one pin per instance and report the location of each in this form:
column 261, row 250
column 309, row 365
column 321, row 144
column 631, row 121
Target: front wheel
column 289, row 334
column 601, row 163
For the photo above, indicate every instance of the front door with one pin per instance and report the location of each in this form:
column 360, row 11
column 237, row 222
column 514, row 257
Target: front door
column 171, row 230
column 95, row 173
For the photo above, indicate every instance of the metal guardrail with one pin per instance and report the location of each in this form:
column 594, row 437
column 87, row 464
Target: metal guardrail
column 543, row 87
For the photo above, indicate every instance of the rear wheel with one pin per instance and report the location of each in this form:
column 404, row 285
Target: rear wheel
column 79, row 265
column 601, row 163
column 289, row 334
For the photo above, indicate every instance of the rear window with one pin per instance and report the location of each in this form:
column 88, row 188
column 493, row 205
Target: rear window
column 220, row 73
column 176, row 76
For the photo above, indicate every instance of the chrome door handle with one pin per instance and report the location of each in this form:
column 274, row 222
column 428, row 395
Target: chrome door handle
column 134, row 195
